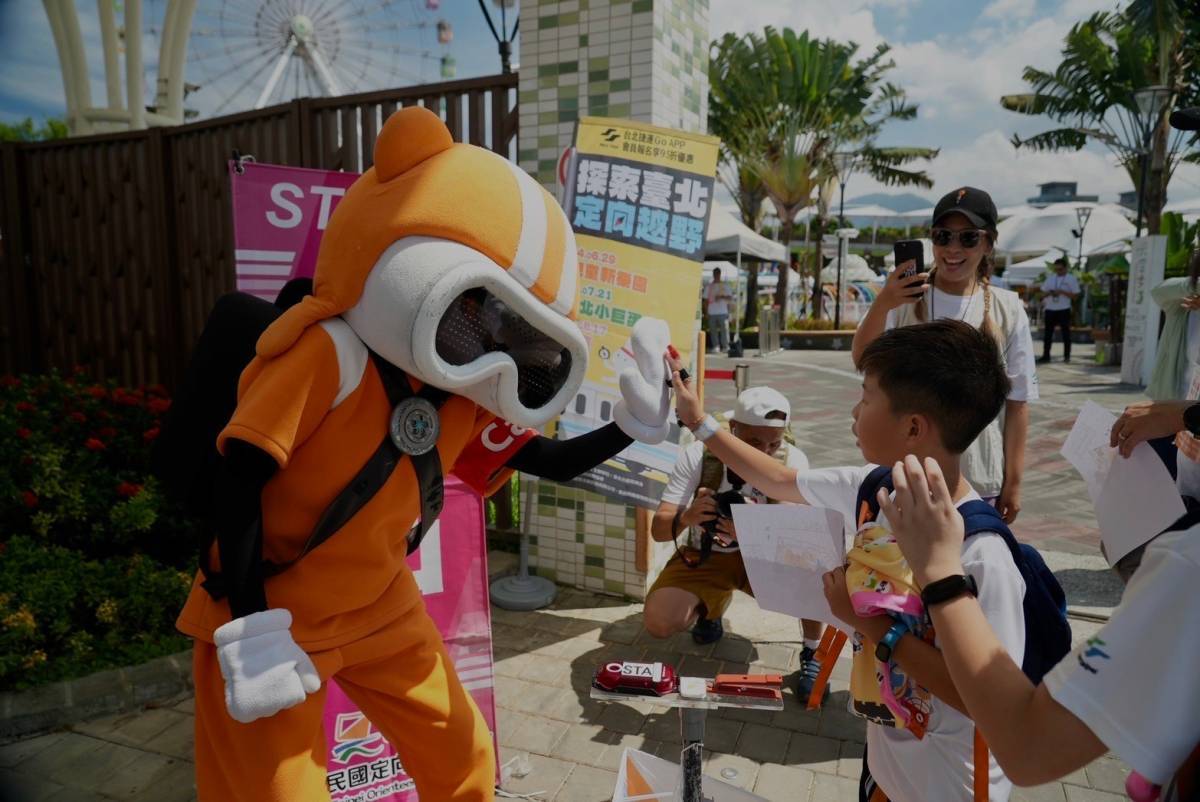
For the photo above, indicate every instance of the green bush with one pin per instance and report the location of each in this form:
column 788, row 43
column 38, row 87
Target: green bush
column 96, row 562
column 63, row 615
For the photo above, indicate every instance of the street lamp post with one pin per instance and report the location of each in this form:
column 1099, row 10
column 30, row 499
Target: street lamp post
column 843, row 162
column 1082, row 214
column 1150, row 102
column 503, row 38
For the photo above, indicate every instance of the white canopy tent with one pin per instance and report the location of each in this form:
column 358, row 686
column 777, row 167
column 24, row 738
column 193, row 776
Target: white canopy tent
column 1037, row 231
column 1026, row 272
column 855, row 268
column 729, row 236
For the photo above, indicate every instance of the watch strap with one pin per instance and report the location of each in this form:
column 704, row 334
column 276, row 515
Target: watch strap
column 887, row 645
column 947, row 588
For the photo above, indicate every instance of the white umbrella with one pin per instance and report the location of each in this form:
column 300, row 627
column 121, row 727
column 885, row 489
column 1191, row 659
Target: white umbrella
column 1013, row 211
column 1185, row 207
column 855, row 268
column 1040, row 230
column 889, row 259
column 1026, row 271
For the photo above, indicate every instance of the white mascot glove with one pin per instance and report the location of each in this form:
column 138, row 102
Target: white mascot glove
column 645, row 401
column 264, row 670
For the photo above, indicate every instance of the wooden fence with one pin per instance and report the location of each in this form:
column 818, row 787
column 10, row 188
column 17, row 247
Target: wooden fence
column 114, row 247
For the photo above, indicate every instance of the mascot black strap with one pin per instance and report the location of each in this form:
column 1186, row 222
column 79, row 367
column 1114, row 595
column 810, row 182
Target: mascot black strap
column 421, row 436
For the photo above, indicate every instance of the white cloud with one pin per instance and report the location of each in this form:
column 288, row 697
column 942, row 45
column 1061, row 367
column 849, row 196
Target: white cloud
column 845, row 20
column 1005, row 10
column 1010, row 175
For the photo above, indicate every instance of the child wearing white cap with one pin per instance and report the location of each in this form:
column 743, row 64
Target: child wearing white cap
column 697, row 584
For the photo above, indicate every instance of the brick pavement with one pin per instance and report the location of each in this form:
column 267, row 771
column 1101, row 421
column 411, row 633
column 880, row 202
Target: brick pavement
column 554, row 739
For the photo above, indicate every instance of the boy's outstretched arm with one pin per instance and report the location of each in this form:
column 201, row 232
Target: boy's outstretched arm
column 763, row 472
column 1034, row 738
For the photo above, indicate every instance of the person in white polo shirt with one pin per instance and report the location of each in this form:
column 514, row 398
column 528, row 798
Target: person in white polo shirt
column 697, row 584
column 1058, row 291
column 717, row 300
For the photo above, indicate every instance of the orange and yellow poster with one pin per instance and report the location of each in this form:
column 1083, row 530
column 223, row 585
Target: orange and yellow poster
column 638, row 198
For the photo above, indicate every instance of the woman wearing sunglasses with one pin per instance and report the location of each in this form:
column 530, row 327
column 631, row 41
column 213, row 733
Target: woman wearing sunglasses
column 958, row 287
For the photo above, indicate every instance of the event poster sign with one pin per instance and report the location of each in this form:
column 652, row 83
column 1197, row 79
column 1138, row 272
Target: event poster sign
column 280, row 214
column 1147, row 262
column 279, row 217
column 638, row 198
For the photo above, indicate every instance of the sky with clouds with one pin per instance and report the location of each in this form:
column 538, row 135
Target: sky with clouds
column 954, row 59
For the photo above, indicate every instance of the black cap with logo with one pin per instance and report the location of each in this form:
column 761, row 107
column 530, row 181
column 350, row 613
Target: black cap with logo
column 973, row 204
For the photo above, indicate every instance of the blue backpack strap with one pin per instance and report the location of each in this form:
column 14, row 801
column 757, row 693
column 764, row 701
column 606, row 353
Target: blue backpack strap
column 880, row 476
column 1047, row 632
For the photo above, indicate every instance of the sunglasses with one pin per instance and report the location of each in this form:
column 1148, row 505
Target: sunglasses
column 968, row 238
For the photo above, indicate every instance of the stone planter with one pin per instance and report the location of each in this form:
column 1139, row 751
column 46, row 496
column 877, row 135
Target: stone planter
column 117, row 690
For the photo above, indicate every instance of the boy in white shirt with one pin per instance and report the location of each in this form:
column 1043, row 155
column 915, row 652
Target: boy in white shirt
column 928, row 389
column 1131, row 688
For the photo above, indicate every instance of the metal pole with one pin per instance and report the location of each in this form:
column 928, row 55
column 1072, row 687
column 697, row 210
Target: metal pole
column 1142, row 182
column 692, row 723
column 837, row 299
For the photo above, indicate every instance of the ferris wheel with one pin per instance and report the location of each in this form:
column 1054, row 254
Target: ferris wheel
column 244, row 55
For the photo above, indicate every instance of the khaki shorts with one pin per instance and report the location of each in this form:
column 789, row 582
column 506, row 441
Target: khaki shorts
column 713, row 582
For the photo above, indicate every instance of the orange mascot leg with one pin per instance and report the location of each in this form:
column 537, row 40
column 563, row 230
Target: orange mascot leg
column 400, row 676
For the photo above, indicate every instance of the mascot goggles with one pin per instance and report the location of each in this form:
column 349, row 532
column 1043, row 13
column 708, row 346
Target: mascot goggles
column 477, row 323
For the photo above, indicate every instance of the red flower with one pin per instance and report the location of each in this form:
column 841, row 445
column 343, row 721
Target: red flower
column 29, row 498
column 107, row 433
column 25, row 406
column 127, row 400
column 128, row 489
column 158, row 390
column 96, row 391
column 158, row 405
column 9, row 380
column 150, row 434
column 78, row 417
column 92, row 444
column 23, row 433
column 26, row 459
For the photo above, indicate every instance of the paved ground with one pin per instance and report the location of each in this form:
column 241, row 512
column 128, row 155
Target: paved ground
column 555, row 740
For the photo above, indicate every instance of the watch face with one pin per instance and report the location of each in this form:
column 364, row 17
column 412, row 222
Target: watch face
column 882, row 652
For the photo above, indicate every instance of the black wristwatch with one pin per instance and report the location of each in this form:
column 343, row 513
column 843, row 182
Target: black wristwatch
column 1191, row 419
column 949, row 588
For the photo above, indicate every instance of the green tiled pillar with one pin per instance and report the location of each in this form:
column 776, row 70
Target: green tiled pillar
column 638, row 59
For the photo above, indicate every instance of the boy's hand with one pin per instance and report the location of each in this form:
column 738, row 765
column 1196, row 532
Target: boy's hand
column 924, row 520
column 837, row 593
column 687, row 403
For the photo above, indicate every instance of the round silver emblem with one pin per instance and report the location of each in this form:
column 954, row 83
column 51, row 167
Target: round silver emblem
column 414, row 426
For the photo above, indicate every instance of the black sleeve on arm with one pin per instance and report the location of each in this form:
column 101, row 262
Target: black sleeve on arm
column 563, row 460
column 237, row 519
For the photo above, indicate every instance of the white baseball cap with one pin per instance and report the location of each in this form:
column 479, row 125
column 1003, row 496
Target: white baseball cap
column 756, row 403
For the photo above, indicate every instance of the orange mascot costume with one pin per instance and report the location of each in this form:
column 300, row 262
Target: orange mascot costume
column 448, row 263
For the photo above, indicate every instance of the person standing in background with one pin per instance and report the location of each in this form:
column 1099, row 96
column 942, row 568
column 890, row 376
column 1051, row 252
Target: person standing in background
column 1058, row 291
column 717, row 300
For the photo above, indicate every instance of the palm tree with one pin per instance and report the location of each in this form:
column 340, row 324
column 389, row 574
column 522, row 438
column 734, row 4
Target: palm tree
column 734, row 101
column 1107, row 59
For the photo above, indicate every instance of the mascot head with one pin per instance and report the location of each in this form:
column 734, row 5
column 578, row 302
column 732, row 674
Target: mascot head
column 454, row 265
